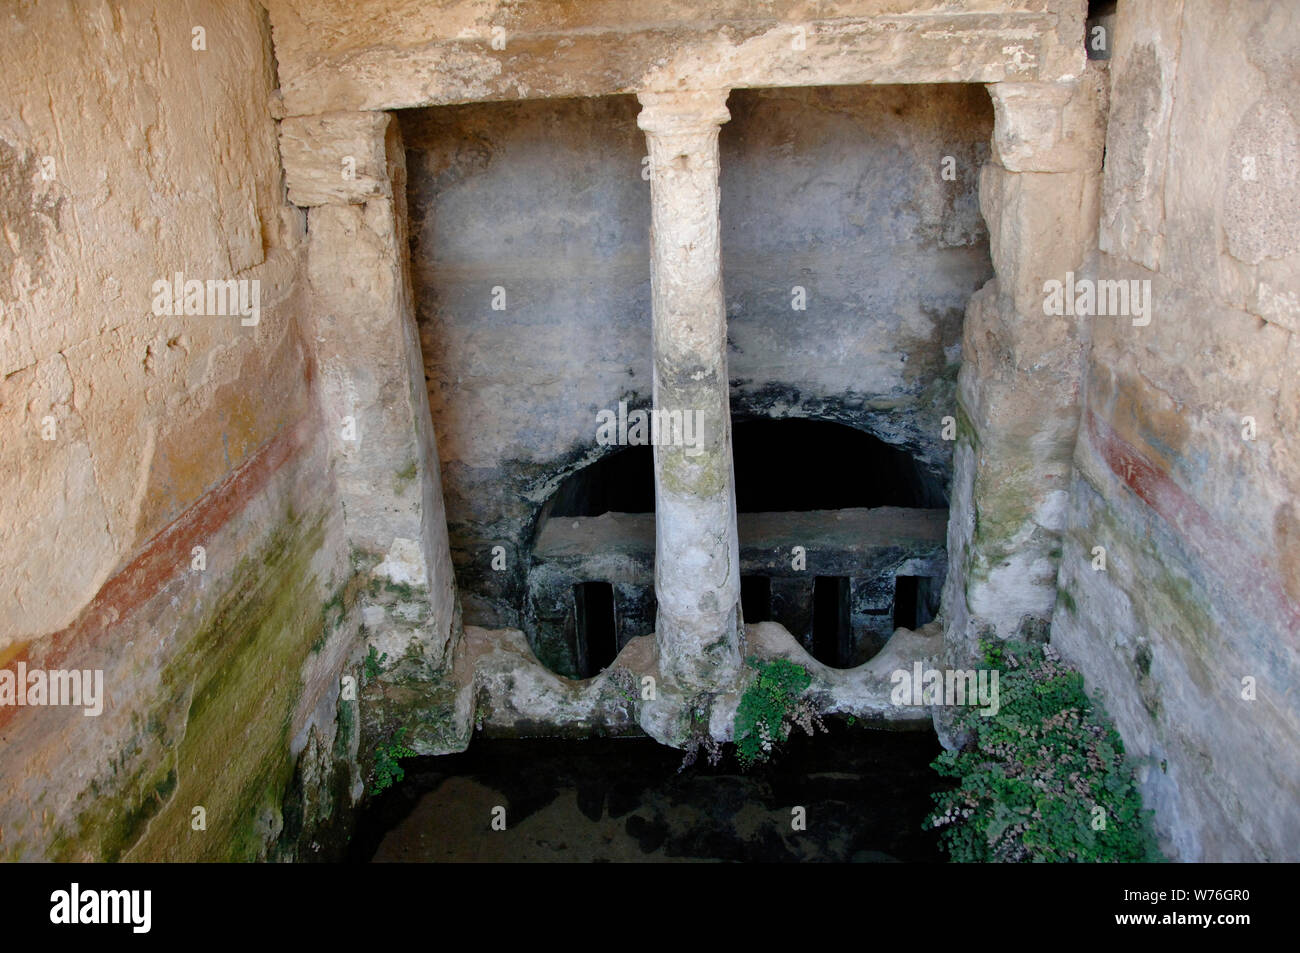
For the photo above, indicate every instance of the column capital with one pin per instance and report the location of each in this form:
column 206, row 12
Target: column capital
column 682, row 111
column 1050, row 127
column 340, row 158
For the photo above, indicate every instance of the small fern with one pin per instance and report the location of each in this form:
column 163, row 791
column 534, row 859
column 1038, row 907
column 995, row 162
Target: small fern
column 1045, row 779
column 387, row 770
column 770, row 707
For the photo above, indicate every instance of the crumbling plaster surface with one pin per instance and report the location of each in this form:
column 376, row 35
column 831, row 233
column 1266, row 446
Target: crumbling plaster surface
column 1197, row 515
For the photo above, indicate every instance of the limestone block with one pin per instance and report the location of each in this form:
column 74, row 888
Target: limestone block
column 374, row 404
column 336, row 159
column 355, row 275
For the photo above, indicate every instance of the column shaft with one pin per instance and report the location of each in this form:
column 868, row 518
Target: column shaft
column 697, row 558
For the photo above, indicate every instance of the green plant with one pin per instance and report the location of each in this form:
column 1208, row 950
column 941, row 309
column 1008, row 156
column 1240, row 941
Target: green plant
column 769, row 707
column 1043, row 779
column 387, row 771
column 374, row 663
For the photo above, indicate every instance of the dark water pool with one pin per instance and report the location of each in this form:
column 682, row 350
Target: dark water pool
column 864, row 793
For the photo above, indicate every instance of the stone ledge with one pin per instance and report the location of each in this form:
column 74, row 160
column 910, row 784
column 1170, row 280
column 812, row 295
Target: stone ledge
column 495, row 669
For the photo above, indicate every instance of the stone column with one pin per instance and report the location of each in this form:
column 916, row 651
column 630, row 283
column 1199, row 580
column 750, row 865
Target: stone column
column 697, row 556
column 1019, row 386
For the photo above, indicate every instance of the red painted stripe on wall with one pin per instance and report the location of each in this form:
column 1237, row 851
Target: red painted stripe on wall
column 1222, row 549
column 168, row 552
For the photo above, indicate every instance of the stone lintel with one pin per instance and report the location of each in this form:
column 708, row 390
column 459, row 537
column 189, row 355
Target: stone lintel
column 360, row 56
column 619, row 547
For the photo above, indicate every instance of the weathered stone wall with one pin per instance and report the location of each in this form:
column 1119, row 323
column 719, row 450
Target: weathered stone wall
column 208, row 508
column 839, row 191
column 545, row 202
column 169, row 514
column 1189, row 633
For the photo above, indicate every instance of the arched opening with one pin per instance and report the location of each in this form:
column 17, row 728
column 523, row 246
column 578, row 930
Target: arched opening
column 619, row 482
column 841, row 535
column 841, row 541
column 790, row 466
column 590, row 587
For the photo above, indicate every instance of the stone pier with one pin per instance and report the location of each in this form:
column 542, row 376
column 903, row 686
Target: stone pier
column 349, row 171
column 1019, row 386
column 697, row 559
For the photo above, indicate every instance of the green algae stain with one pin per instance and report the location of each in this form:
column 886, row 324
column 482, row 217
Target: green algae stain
column 220, row 729
column 404, row 477
column 703, row 476
column 966, row 432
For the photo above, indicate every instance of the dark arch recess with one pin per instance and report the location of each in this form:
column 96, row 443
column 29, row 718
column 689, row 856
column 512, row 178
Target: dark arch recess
column 798, row 465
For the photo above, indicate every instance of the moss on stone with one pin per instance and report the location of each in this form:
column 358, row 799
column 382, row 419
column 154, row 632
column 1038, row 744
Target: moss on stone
column 346, row 718
column 1003, row 507
column 965, row 429
column 404, row 591
column 702, row 476
column 1170, row 603
column 1067, row 600
column 237, row 679
column 405, row 476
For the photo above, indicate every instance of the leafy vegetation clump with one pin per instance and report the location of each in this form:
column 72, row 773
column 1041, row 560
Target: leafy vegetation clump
column 387, row 771
column 769, row 708
column 1044, row 779
column 374, row 664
